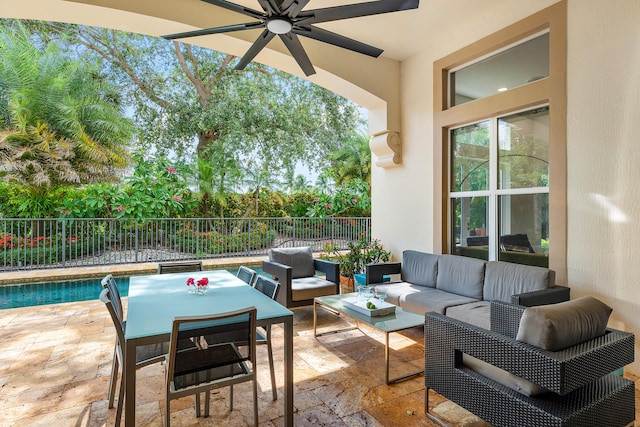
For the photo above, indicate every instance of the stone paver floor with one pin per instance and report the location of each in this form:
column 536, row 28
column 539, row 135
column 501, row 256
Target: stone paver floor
column 55, row 362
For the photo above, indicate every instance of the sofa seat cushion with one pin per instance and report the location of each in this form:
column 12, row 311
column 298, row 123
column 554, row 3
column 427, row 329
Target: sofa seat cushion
column 306, row 288
column 503, row 377
column 461, row 275
column 475, row 313
column 429, row 299
column 504, row 279
column 397, row 289
column 300, row 260
column 419, row 268
column 557, row 326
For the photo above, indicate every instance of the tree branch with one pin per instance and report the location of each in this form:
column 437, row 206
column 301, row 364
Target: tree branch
column 204, row 93
column 111, row 53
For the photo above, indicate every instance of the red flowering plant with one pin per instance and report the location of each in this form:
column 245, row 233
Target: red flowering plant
column 198, row 286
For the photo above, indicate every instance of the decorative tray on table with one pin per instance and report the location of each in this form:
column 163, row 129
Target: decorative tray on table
column 360, row 305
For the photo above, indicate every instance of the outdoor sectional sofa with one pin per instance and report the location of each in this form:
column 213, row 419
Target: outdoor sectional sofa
column 462, row 287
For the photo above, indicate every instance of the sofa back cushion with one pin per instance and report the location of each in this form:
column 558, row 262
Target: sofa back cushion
column 554, row 327
column 503, row 279
column 300, row 260
column 419, row 268
column 461, row 275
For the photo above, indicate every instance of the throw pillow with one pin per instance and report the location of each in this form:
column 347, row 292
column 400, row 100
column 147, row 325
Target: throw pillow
column 557, row 326
column 300, row 260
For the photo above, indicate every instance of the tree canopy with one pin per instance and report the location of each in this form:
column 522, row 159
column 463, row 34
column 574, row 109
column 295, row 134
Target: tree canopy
column 183, row 93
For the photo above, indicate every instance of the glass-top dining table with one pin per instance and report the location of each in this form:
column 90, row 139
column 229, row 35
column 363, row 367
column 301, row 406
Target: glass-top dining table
column 155, row 300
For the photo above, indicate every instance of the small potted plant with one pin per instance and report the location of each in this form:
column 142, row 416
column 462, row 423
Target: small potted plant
column 358, row 254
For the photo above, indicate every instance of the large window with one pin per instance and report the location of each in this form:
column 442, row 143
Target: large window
column 500, row 145
column 499, row 188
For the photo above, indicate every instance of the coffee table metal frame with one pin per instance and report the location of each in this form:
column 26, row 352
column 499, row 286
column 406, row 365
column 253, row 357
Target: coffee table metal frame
column 399, row 321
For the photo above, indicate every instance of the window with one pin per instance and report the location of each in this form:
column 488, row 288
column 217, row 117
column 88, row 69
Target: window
column 526, row 62
column 499, row 188
column 500, row 160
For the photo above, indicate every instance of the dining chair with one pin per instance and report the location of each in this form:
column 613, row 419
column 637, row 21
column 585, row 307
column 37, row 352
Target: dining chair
column 179, row 267
column 247, row 275
column 270, row 288
column 145, row 355
column 209, row 352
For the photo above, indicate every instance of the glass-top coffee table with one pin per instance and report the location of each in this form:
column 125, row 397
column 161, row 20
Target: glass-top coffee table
column 399, row 321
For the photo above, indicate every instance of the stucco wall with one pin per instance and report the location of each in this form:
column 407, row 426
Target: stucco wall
column 603, row 151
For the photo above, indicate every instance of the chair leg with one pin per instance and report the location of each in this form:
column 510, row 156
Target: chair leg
column 274, row 390
column 120, row 404
column 197, row 405
column 207, row 400
column 255, row 402
column 167, row 411
column 231, row 397
column 113, row 379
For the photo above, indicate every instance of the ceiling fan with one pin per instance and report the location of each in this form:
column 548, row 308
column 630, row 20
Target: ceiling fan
column 287, row 19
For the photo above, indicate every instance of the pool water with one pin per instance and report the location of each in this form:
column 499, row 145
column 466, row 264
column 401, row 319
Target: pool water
column 31, row 294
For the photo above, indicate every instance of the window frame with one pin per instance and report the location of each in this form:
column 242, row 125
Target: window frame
column 549, row 91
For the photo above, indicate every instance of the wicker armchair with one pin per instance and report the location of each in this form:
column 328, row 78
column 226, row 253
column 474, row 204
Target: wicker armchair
column 580, row 389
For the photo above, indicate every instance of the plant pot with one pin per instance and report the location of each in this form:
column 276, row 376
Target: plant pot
column 346, row 284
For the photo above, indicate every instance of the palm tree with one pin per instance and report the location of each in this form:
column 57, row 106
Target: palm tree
column 300, row 184
column 352, row 160
column 62, row 123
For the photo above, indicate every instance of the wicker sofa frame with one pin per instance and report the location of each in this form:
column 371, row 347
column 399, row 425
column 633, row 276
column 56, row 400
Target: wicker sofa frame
column 583, row 392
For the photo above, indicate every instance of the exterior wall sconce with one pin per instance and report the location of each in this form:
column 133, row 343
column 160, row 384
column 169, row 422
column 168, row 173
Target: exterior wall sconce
column 387, row 147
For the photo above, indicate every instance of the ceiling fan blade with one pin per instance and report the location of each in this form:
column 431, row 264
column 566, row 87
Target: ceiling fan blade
column 270, row 6
column 338, row 40
column 236, row 8
column 216, row 30
column 257, row 46
column 355, row 10
column 292, row 42
column 293, row 7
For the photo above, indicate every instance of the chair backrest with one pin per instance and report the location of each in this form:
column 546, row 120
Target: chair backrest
column 246, row 274
column 179, row 267
column 106, row 298
column 108, row 282
column 210, row 348
column 267, row 286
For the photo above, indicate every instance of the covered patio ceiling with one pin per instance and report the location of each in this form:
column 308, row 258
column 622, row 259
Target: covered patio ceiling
column 373, row 83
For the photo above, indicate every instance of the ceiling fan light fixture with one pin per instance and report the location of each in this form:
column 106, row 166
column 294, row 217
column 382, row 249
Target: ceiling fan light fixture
column 279, row 25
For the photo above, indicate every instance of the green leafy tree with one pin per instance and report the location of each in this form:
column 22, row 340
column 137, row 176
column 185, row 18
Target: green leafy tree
column 61, row 121
column 186, row 92
column 157, row 189
column 349, row 199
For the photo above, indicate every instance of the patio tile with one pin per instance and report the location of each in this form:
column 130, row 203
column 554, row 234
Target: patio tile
column 55, row 363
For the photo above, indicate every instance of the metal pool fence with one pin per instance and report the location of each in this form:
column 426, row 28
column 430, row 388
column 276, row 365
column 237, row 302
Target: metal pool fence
column 35, row 243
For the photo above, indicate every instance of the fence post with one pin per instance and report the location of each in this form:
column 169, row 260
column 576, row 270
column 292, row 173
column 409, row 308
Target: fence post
column 135, row 241
column 198, row 237
column 64, row 242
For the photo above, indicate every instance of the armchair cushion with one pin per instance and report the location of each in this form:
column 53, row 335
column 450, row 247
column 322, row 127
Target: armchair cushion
column 300, row 260
column 307, row 288
column 503, row 377
column 558, row 326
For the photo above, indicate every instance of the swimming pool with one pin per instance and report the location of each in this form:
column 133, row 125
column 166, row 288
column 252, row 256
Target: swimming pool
column 27, row 295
